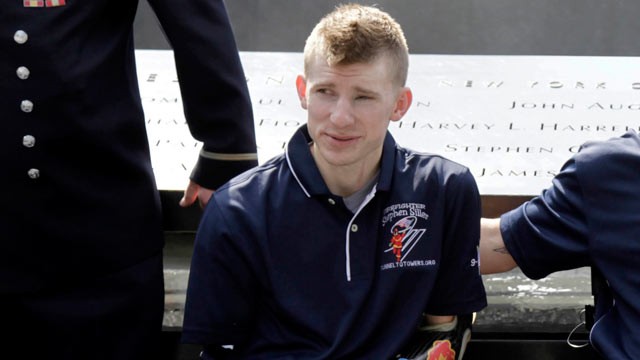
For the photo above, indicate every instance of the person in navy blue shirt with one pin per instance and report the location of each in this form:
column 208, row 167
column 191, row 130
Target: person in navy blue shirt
column 81, row 273
column 589, row 216
column 347, row 244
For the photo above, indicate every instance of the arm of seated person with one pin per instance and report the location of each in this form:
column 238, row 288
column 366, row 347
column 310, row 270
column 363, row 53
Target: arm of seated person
column 440, row 336
column 494, row 256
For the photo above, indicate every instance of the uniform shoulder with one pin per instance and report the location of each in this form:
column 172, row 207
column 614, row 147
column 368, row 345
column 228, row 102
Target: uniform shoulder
column 431, row 160
column 610, row 151
column 254, row 177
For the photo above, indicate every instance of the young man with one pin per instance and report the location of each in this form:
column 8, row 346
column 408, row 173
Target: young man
column 590, row 216
column 347, row 243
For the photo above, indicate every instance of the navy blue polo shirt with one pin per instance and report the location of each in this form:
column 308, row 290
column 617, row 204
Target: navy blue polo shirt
column 590, row 216
column 282, row 269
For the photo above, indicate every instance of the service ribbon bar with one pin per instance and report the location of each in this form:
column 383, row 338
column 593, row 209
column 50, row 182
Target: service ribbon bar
column 51, row 3
column 33, row 3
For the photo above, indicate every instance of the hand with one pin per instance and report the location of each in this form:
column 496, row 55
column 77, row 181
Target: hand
column 195, row 192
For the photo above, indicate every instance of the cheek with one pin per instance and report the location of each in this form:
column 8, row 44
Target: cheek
column 377, row 123
column 317, row 110
column 313, row 122
column 375, row 117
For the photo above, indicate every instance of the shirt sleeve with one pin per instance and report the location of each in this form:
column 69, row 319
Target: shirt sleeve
column 459, row 288
column 221, row 289
column 213, row 86
column 549, row 233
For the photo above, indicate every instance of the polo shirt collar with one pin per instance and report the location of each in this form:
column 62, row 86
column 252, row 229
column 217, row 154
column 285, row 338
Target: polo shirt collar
column 308, row 176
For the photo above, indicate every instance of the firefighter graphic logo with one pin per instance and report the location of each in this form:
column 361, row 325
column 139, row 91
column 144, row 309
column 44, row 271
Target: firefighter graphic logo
column 405, row 226
column 398, row 233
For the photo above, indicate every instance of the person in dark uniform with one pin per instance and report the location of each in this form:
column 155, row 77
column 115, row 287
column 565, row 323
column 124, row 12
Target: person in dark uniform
column 589, row 216
column 294, row 259
column 80, row 225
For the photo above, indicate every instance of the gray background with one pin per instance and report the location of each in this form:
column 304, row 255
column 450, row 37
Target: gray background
column 482, row 27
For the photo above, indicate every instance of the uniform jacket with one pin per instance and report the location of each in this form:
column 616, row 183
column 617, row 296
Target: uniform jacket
column 590, row 216
column 78, row 192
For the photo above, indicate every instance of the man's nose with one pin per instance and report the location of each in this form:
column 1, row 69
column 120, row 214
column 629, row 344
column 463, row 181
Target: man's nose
column 342, row 114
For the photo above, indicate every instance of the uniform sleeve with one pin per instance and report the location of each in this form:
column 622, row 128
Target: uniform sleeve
column 220, row 303
column 214, row 91
column 549, row 233
column 459, row 288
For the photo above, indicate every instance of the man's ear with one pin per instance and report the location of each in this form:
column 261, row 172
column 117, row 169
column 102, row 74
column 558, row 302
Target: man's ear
column 403, row 102
column 301, row 86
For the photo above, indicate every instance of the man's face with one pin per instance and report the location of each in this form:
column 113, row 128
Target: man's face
column 349, row 109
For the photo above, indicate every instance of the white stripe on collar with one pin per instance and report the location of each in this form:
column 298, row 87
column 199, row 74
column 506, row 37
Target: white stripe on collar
column 286, row 155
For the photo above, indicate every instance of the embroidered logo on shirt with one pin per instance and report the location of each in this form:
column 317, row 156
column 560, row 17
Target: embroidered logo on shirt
column 405, row 234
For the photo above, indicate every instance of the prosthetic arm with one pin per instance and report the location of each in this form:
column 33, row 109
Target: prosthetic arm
column 446, row 341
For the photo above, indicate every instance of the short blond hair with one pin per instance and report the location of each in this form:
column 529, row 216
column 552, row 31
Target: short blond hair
column 354, row 33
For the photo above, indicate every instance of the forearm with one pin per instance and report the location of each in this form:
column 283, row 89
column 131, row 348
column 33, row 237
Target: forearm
column 436, row 319
column 494, row 256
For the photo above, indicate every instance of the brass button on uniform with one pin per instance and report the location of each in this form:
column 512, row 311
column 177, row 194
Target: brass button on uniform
column 33, row 173
column 28, row 141
column 23, row 72
column 26, row 106
column 20, row 37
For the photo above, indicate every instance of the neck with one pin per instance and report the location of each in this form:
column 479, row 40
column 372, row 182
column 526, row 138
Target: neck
column 345, row 180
